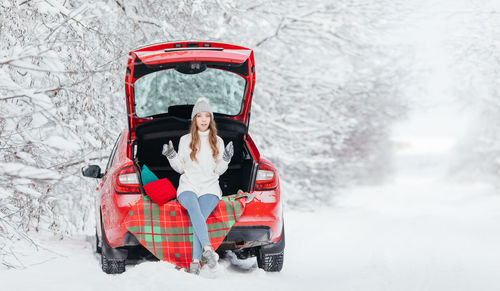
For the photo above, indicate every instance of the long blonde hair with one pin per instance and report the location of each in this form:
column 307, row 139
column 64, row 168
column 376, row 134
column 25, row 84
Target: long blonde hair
column 195, row 139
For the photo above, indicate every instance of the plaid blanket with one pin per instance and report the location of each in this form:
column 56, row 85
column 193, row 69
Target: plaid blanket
column 166, row 230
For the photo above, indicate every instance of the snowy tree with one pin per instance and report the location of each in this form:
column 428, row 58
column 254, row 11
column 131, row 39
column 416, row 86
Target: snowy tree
column 477, row 84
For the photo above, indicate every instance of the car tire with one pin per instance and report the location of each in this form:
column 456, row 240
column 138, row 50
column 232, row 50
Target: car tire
column 112, row 266
column 270, row 258
column 270, row 263
column 109, row 264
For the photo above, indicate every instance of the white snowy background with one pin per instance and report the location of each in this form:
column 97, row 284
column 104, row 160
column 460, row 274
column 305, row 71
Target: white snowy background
column 381, row 117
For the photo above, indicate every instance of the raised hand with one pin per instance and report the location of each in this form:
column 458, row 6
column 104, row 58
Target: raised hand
column 228, row 152
column 168, row 150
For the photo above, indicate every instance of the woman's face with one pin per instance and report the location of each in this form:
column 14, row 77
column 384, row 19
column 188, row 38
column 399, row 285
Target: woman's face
column 203, row 120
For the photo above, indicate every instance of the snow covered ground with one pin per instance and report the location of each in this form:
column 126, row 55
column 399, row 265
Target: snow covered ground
column 420, row 231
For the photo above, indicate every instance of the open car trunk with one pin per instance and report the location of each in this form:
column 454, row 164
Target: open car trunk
column 152, row 135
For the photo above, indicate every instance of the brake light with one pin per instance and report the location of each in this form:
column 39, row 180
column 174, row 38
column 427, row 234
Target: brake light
column 126, row 180
column 267, row 178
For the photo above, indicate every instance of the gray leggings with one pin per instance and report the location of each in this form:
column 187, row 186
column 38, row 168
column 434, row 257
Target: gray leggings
column 199, row 209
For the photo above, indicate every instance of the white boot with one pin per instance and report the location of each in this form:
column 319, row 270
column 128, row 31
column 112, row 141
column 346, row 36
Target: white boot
column 194, row 268
column 212, row 257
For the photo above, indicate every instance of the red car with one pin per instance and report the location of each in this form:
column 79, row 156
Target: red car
column 162, row 83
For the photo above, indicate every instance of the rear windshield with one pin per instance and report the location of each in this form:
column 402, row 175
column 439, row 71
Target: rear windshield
column 157, row 91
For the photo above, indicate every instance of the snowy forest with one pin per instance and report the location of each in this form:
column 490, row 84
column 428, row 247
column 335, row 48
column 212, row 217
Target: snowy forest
column 333, row 79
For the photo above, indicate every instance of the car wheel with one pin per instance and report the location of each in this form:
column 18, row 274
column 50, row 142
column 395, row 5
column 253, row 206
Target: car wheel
column 112, row 259
column 270, row 262
column 270, row 257
column 112, row 266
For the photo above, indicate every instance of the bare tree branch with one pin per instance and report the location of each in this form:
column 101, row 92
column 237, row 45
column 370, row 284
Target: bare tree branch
column 121, row 6
column 65, row 166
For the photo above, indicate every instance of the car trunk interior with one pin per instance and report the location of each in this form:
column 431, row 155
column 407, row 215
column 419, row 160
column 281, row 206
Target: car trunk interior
column 152, row 135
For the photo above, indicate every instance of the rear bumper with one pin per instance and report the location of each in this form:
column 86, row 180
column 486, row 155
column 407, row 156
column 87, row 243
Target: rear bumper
column 260, row 224
column 238, row 237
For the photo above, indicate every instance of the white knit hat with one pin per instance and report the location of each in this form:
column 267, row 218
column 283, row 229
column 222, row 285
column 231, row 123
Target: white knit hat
column 200, row 106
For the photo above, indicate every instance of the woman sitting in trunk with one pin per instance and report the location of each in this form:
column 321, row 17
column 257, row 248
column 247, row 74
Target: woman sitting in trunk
column 200, row 160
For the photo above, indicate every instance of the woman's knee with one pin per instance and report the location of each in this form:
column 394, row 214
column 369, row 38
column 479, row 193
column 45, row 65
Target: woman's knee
column 187, row 199
column 208, row 197
column 208, row 202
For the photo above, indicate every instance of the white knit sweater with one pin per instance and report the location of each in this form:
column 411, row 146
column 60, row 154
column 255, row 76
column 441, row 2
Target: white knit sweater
column 201, row 176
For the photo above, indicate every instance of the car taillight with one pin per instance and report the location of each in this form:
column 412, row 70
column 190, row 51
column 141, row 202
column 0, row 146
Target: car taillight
column 267, row 179
column 127, row 181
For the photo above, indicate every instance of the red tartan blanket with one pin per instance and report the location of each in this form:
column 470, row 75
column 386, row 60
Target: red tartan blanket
column 166, row 230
